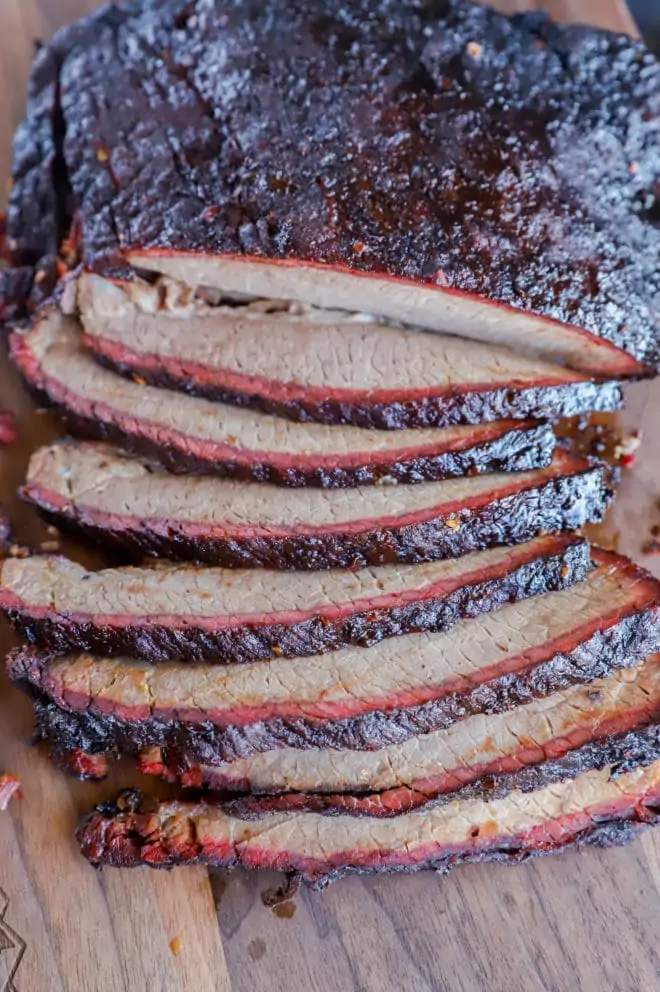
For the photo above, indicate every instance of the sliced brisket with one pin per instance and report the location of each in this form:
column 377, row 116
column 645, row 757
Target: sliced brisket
column 189, row 433
column 325, row 366
column 355, row 699
column 446, row 166
column 411, row 775
column 194, row 613
column 599, row 797
column 132, row 504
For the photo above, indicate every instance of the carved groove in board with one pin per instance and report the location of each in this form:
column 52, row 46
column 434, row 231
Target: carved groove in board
column 12, row 948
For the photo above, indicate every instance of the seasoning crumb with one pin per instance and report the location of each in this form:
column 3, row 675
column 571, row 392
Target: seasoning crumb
column 624, row 450
column 285, row 910
column 475, row 49
column 176, row 946
column 565, row 572
column 453, row 522
column 102, row 155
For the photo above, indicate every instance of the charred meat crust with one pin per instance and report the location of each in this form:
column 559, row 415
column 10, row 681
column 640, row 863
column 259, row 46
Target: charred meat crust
column 474, row 406
column 563, row 503
column 41, row 201
column 126, row 834
column 563, row 94
column 15, row 289
column 188, row 743
column 262, row 641
column 5, row 530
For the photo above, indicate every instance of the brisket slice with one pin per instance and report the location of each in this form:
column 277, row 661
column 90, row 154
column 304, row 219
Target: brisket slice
column 324, row 366
column 131, row 504
column 195, row 613
column 410, row 775
column 187, row 433
column 355, row 699
column 493, row 178
column 599, row 797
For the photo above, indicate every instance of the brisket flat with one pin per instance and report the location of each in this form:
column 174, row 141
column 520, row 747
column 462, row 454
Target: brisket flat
column 187, row 433
column 194, row 613
column 320, row 365
column 131, row 504
column 599, row 795
column 355, row 699
column 411, row 775
column 443, row 165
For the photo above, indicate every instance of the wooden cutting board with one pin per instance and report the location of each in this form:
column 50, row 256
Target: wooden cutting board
column 584, row 921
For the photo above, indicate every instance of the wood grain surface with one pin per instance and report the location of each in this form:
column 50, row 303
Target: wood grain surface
column 585, row 922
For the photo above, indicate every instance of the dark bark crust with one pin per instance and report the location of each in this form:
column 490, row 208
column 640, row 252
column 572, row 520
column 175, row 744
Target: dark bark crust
column 518, row 450
column 41, row 202
column 564, row 503
column 474, row 406
column 440, row 166
column 126, row 834
column 256, row 642
column 624, row 644
column 5, row 530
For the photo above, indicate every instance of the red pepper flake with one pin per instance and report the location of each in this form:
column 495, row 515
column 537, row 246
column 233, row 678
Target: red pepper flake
column 140, row 381
column 625, row 450
column 633, row 168
column 103, row 155
column 278, row 652
column 9, row 787
column 475, row 49
column 211, row 213
column 359, row 247
column 8, row 430
column 453, row 522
